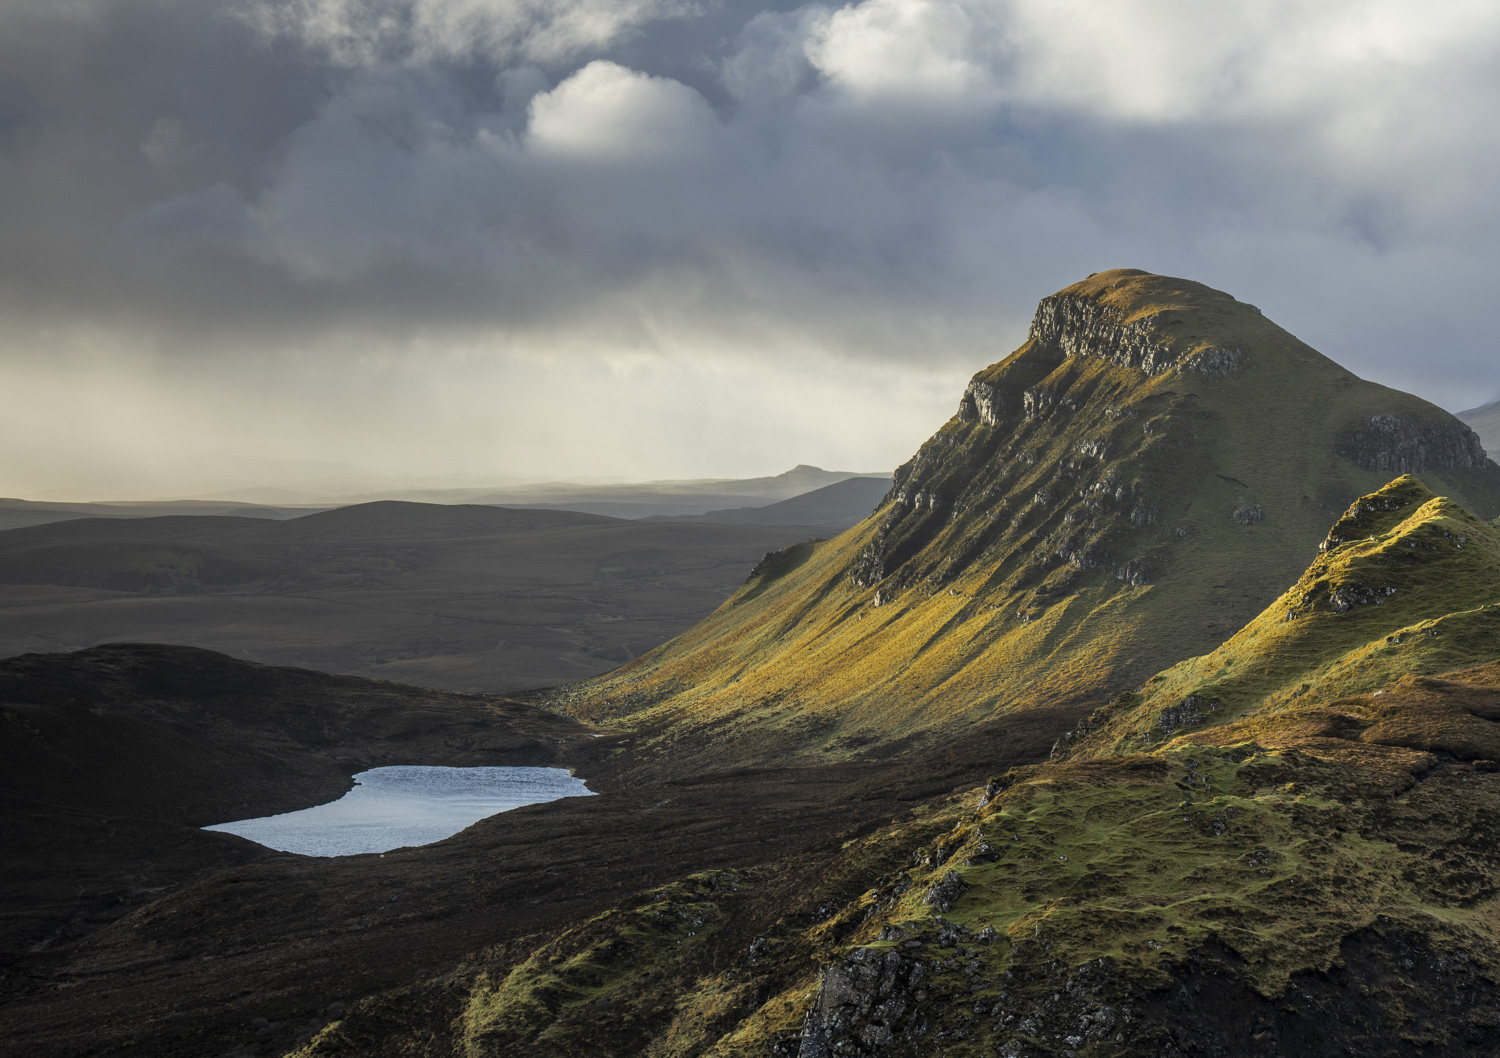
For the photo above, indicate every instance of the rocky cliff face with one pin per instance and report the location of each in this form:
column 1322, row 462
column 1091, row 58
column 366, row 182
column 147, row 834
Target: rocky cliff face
column 1390, row 444
column 1080, row 325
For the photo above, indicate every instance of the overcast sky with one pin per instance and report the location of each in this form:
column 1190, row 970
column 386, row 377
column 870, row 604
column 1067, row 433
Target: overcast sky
column 247, row 241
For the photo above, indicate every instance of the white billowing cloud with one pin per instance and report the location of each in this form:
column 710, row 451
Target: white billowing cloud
column 606, row 113
column 906, row 51
column 1161, row 61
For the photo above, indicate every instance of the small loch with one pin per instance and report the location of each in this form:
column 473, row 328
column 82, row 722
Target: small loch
column 405, row 805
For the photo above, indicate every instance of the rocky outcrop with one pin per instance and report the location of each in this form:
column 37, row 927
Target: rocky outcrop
column 981, row 401
column 869, row 568
column 861, row 1004
column 1083, row 327
column 1371, row 514
column 1393, row 445
column 1346, row 597
column 946, row 891
column 1192, row 710
column 875, row 1003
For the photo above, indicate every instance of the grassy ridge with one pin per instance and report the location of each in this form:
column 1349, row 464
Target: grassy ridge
column 1409, row 583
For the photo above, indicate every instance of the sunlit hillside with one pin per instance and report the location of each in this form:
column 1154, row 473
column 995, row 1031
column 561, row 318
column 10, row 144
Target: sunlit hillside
column 1134, row 483
column 1306, row 874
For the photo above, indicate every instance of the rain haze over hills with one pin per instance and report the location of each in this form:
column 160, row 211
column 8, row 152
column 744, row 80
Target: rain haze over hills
column 340, row 244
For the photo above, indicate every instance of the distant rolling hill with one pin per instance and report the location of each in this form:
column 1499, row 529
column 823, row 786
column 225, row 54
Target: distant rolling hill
column 669, row 498
column 637, row 499
column 463, row 597
column 1485, row 421
column 16, row 514
column 1138, row 480
column 834, row 507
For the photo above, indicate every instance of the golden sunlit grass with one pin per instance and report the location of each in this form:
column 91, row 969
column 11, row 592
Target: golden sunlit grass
column 1413, row 588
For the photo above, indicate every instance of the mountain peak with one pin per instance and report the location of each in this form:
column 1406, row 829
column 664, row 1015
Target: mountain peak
column 1138, row 320
column 1137, row 481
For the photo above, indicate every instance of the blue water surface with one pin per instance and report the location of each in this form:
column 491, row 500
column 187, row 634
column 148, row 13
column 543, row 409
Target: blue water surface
column 405, row 805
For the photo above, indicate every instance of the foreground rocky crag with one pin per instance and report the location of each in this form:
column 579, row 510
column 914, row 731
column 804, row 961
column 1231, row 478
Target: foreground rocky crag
column 1146, row 473
column 1314, row 873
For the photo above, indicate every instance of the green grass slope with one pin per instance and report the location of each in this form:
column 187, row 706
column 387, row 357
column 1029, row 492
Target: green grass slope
column 1407, row 583
column 1128, row 488
column 1307, row 874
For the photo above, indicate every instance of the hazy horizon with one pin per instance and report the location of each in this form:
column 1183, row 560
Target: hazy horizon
column 246, row 241
column 364, row 487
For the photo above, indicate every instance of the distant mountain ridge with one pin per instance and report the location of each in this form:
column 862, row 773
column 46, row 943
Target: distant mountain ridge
column 1138, row 480
column 835, row 507
column 642, row 499
column 1485, row 421
column 634, row 499
column 669, row 499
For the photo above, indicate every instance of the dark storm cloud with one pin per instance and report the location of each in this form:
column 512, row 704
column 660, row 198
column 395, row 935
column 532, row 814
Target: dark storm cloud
column 889, row 182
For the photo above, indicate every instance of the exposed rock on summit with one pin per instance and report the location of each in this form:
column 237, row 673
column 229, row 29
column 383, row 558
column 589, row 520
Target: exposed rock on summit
column 1084, row 326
